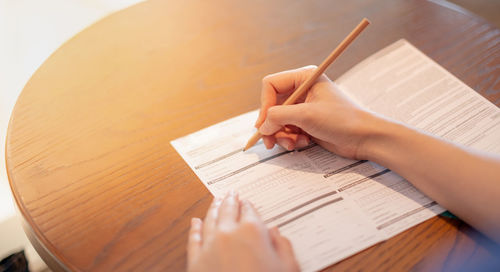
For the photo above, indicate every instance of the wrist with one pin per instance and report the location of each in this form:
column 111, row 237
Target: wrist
column 380, row 136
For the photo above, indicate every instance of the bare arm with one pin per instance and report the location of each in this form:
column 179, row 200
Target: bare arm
column 461, row 180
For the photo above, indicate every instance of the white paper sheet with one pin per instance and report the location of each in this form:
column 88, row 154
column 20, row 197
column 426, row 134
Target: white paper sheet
column 328, row 206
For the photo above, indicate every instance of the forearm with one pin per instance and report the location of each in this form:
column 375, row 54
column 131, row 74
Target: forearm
column 465, row 182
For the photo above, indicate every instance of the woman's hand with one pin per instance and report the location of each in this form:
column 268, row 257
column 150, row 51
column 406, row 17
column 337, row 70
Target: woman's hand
column 233, row 238
column 462, row 180
column 325, row 114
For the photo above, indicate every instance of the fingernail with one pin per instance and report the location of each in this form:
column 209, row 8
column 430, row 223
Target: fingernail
column 218, row 201
column 289, row 146
column 194, row 221
column 302, row 142
column 232, row 193
column 267, row 145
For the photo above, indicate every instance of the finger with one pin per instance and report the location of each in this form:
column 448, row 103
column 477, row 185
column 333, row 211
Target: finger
column 287, row 81
column 286, row 143
column 269, row 141
column 292, row 129
column 292, row 141
column 229, row 211
column 302, row 141
column 282, row 82
column 194, row 239
column 210, row 222
column 282, row 246
column 292, row 136
column 274, row 234
column 249, row 214
column 279, row 116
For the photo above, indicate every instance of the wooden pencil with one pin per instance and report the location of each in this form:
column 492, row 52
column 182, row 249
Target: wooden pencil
column 306, row 85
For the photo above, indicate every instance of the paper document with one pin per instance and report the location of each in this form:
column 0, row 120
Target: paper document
column 328, row 206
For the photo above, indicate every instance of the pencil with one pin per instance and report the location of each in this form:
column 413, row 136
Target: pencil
column 306, row 85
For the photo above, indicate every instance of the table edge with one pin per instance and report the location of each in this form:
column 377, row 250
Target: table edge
column 43, row 247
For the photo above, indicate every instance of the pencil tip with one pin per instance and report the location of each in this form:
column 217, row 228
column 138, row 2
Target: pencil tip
column 246, row 148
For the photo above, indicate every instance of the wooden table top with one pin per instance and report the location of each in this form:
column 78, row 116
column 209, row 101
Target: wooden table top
column 88, row 154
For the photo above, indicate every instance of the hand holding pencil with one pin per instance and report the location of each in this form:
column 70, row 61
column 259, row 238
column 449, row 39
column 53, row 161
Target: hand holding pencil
column 324, row 115
column 301, row 91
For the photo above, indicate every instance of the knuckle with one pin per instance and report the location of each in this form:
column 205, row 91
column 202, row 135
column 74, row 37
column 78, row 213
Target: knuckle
column 224, row 234
column 272, row 113
column 266, row 79
column 306, row 71
column 226, row 227
column 192, row 233
column 310, row 70
column 251, row 227
column 310, row 67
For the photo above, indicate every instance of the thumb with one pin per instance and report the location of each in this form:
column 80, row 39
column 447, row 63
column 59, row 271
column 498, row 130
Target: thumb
column 279, row 116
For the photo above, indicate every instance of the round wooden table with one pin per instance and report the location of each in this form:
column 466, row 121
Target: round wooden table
column 88, row 154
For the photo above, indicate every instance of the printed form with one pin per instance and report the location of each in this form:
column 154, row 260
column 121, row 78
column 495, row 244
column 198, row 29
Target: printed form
column 331, row 207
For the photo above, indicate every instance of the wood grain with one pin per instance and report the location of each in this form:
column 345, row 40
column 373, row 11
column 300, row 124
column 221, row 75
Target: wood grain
column 88, row 152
